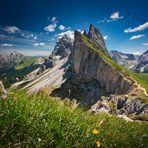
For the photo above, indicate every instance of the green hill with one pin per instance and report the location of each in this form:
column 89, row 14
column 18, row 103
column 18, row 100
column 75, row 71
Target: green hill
column 43, row 121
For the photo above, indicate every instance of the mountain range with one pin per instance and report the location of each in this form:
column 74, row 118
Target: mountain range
column 84, row 70
column 15, row 66
column 138, row 63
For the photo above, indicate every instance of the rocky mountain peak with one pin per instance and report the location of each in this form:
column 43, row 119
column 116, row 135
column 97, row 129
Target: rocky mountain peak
column 88, row 64
column 146, row 52
column 95, row 35
column 63, row 47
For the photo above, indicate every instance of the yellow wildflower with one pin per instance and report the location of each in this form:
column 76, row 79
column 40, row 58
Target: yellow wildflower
column 95, row 131
column 98, row 143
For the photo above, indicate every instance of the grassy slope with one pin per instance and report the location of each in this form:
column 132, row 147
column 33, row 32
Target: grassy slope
column 143, row 81
column 41, row 121
column 19, row 71
column 27, row 61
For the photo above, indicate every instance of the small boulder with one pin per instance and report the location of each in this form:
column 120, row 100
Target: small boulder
column 3, row 92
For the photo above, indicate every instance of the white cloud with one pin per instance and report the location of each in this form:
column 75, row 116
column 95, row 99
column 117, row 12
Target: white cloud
column 12, row 29
column 38, row 44
column 29, row 36
column 106, row 37
column 102, row 21
column 139, row 28
column 35, row 38
column 137, row 36
column 114, row 16
column 62, row 27
column 50, row 28
column 145, row 44
column 6, row 45
column 69, row 33
column 53, row 19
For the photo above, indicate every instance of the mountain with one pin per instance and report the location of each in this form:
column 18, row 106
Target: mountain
column 87, row 73
column 142, row 64
column 95, row 35
column 126, row 60
column 15, row 66
column 138, row 63
column 10, row 60
column 53, row 72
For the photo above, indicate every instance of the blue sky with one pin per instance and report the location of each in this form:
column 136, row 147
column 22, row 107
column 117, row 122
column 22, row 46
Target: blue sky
column 33, row 26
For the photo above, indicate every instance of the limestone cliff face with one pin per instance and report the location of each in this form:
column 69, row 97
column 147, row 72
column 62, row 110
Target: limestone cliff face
column 95, row 35
column 89, row 65
column 53, row 72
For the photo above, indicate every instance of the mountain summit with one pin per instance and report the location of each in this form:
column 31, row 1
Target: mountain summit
column 87, row 73
column 95, row 36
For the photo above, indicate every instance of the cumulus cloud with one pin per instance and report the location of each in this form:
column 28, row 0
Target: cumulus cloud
column 137, row 36
column 139, row 28
column 145, row 44
column 50, row 28
column 53, row 19
column 62, row 27
column 69, row 33
column 115, row 16
column 106, row 37
column 12, row 29
column 38, row 44
column 35, row 38
column 6, row 45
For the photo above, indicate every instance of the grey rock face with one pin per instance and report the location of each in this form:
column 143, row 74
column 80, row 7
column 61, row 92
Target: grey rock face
column 10, row 60
column 63, row 47
column 126, row 60
column 52, row 73
column 121, row 105
column 142, row 65
column 61, row 50
column 137, row 63
column 89, row 65
column 95, row 35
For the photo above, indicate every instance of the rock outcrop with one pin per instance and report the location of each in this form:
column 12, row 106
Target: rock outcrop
column 121, row 105
column 88, row 65
column 95, row 35
column 3, row 92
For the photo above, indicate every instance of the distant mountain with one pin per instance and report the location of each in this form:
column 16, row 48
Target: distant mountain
column 14, row 66
column 142, row 64
column 137, row 63
column 10, row 60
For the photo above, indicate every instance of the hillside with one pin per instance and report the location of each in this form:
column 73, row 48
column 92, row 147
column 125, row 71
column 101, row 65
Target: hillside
column 15, row 66
column 44, row 121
